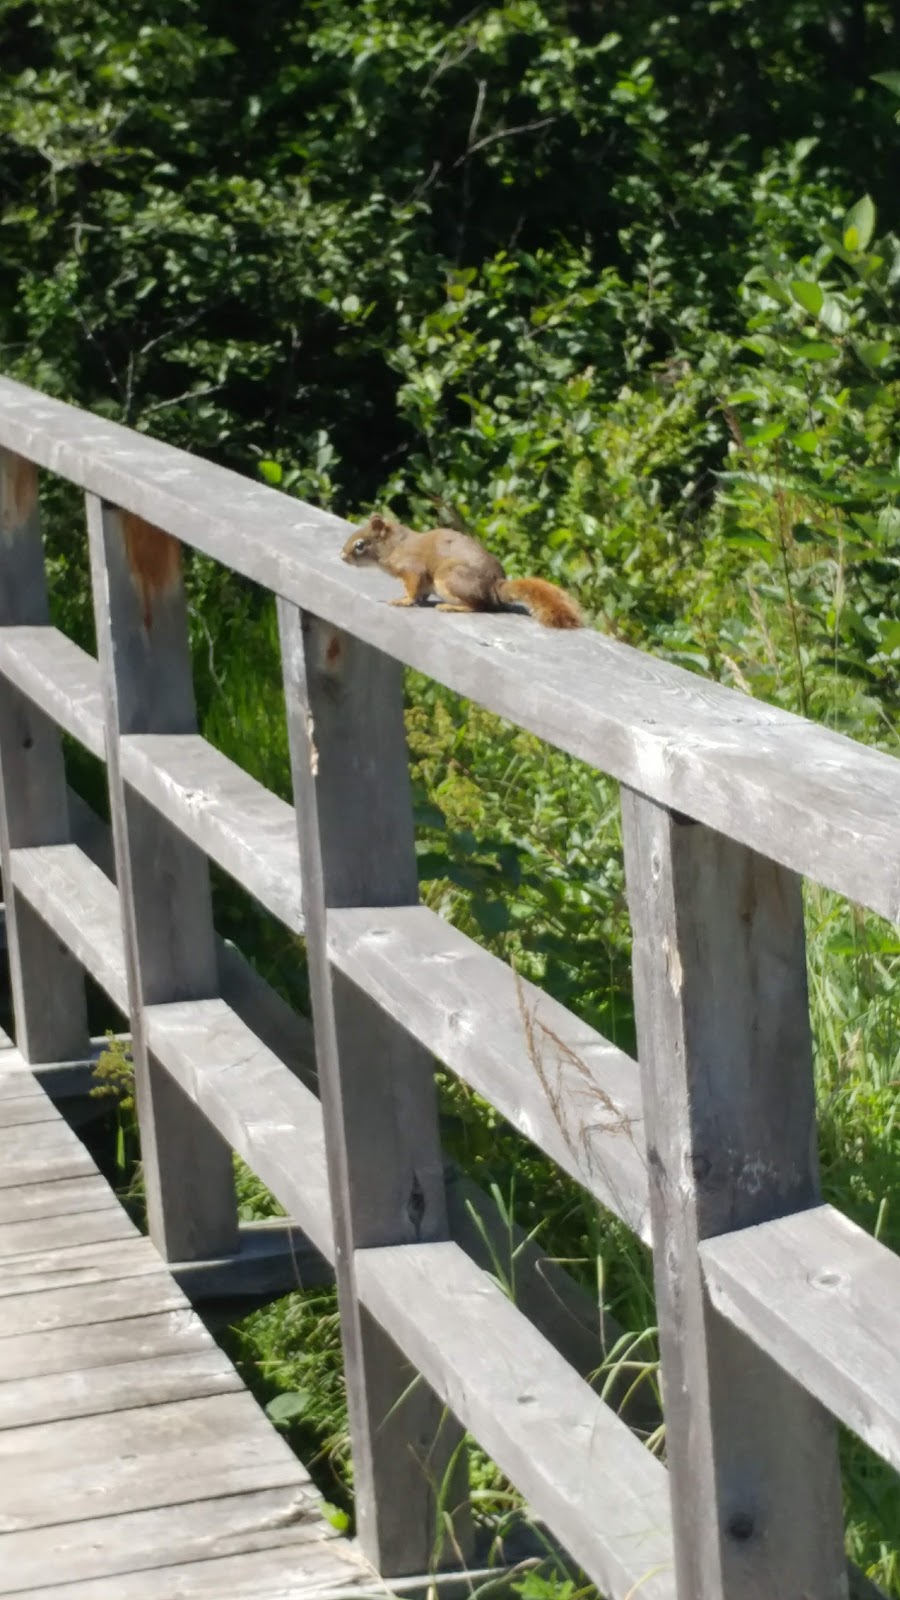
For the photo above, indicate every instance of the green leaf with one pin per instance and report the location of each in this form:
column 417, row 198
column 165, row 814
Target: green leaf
column 874, row 353
column 286, row 1408
column 815, row 351
column 271, row 471
column 888, row 80
column 859, row 224
column 808, row 295
column 769, row 430
column 888, row 522
column 890, row 637
column 773, row 289
column 333, row 1514
column 833, row 315
column 807, row 440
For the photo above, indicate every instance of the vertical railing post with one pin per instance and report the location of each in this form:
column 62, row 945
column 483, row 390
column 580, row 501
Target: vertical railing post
column 47, row 985
column 726, row 1069
column 354, row 815
column 144, row 649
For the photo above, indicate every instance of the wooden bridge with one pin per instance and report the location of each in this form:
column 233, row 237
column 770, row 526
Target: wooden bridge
column 132, row 1463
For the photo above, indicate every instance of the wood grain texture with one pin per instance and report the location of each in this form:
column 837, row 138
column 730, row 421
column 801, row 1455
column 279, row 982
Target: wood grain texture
column 159, row 1455
column 82, row 1305
column 47, row 987
column 16, row 1078
column 40, row 1153
column 60, row 678
column 276, row 1127
column 226, row 813
column 81, row 905
column 127, row 1443
column 74, row 1265
column 603, row 1494
column 28, row 1201
column 149, row 1541
column 559, row 1308
column 99, row 1226
column 264, row 1112
column 99, row 1391
column 562, row 1311
column 810, row 798
column 286, row 1565
column 560, row 1084
column 822, row 1299
column 354, row 817
column 255, row 1001
column 77, row 1349
column 19, row 1112
column 164, row 895
column 723, row 1035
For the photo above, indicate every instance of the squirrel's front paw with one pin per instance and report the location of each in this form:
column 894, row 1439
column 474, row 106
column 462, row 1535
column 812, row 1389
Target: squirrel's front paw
column 404, row 600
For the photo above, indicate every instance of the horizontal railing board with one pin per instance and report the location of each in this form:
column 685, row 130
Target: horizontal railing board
column 266, row 1114
column 80, row 904
column 239, row 823
column 61, row 876
column 273, row 1258
column 260, row 1006
column 581, row 1469
column 802, row 794
column 822, row 1298
column 62, row 679
column 558, row 1082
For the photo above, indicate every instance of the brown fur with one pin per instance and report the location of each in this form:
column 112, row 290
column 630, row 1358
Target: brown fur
column 456, row 568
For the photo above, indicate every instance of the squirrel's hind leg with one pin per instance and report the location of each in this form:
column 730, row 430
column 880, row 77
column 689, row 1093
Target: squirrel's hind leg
column 460, row 588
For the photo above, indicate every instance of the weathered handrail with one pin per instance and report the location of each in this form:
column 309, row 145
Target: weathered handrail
column 711, row 1152
column 809, row 798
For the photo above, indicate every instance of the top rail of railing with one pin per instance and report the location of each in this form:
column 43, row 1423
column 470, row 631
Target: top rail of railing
column 812, row 799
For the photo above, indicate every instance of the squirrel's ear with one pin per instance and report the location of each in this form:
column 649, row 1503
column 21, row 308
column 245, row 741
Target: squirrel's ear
column 377, row 523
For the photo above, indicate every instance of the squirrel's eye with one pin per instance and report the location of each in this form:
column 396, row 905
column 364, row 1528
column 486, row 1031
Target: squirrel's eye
column 359, row 548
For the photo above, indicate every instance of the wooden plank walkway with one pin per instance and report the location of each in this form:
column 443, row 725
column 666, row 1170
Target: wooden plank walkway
column 133, row 1463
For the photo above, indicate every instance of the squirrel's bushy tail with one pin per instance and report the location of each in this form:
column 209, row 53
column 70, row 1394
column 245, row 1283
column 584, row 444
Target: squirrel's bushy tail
column 549, row 604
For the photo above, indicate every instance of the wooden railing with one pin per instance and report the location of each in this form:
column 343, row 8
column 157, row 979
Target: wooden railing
column 776, row 1314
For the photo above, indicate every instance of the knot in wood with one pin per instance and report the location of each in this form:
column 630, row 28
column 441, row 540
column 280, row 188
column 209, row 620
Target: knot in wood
column 741, row 1526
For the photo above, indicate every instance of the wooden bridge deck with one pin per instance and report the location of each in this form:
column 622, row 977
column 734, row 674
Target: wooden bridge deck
column 133, row 1463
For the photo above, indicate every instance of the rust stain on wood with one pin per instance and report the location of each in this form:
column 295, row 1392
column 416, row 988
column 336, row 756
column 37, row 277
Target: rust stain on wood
column 20, row 496
column 154, row 561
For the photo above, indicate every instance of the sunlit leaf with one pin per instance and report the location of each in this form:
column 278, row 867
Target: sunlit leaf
column 859, row 224
column 808, row 295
